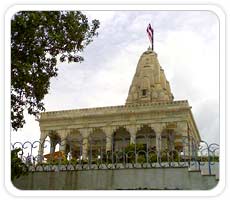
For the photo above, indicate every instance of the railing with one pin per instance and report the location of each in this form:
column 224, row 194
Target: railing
column 122, row 155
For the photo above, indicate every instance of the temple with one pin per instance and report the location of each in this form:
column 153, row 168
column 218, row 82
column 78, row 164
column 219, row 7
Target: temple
column 150, row 117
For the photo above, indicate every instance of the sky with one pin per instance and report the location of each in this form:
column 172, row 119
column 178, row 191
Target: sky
column 187, row 44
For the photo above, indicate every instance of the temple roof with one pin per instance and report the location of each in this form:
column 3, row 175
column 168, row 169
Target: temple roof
column 149, row 82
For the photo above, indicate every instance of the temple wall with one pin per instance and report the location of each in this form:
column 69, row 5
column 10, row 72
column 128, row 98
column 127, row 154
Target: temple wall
column 81, row 125
column 156, row 179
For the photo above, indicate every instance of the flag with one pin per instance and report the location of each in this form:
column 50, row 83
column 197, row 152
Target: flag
column 150, row 33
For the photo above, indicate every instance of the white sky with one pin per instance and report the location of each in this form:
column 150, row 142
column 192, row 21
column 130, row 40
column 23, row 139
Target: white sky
column 187, row 44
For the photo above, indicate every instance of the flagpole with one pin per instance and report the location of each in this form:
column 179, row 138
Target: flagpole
column 150, row 33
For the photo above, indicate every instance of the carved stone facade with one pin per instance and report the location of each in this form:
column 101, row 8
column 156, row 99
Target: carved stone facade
column 149, row 83
column 150, row 112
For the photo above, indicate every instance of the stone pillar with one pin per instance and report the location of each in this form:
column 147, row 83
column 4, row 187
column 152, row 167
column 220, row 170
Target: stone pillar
column 133, row 131
column 172, row 141
column 193, row 145
column 158, row 130
column 63, row 135
column 63, row 145
column 182, row 130
column 41, row 145
column 53, row 143
column 158, row 142
column 85, row 143
column 109, row 138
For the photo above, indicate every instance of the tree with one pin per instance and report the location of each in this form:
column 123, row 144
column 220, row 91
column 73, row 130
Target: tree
column 38, row 40
column 18, row 168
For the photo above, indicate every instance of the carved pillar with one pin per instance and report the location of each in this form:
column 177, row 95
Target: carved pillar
column 63, row 135
column 158, row 130
column 109, row 138
column 63, row 145
column 41, row 145
column 133, row 131
column 53, row 142
column 171, row 140
column 42, row 140
column 169, row 137
column 191, row 145
column 158, row 142
column 182, row 130
column 85, row 142
column 164, row 142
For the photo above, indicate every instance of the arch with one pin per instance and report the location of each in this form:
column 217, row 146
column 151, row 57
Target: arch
column 97, row 135
column 74, row 144
column 146, row 136
column 168, row 139
column 97, row 144
column 55, row 141
column 121, row 139
column 54, row 135
column 50, row 145
column 46, row 145
column 178, row 142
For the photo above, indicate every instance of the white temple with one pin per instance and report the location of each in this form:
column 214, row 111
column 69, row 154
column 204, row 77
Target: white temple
column 150, row 112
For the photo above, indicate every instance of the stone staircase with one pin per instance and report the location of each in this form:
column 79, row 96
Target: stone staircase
column 205, row 170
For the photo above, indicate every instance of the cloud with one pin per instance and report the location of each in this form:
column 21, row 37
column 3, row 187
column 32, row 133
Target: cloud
column 206, row 114
column 30, row 131
column 190, row 60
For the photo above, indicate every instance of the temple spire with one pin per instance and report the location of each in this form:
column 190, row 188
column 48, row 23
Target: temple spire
column 149, row 82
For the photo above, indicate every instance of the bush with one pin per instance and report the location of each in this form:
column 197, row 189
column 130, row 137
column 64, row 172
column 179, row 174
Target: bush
column 141, row 159
column 152, row 158
column 18, row 168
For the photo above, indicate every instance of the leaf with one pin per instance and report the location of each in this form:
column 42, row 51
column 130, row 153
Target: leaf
column 38, row 39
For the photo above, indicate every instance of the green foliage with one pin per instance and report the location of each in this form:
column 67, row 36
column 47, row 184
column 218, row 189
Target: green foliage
column 169, row 156
column 18, row 168
column 73, row 161
column 211, row 158
column 140, row 150
column 131, row 148
column 61, row 160
column 141, row 159
column 174, row 156
column 152, row 157
column 38, row 40
column 214, row 159
column 107, row 157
